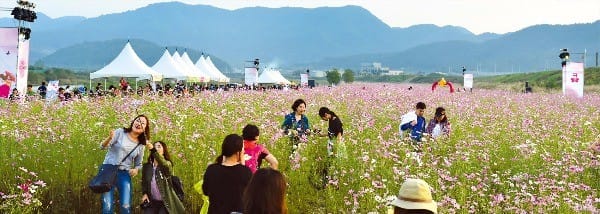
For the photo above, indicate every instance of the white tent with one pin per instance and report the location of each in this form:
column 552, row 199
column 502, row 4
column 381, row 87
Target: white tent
column 214, row 69
column 203, row 66
column 190, row 69
column 127, row 64
column 170, row 69
column 185, row 58
column 272, row 76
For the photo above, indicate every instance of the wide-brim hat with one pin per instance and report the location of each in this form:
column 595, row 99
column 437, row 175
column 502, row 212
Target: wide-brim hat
column 415, row 194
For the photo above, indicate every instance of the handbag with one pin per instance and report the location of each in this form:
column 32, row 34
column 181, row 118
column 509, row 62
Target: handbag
column 106, row 176
column 177, row 187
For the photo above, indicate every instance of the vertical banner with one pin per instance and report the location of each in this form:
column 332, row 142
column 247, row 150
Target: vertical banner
column 251, row 76
column 52, row 92
column 468, row 81
column 9, row 38
column 573, row 79
column 23, row 65
column 304, row 80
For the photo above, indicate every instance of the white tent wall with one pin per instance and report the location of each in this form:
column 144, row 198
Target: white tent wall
column 214, row 69
column 169, row 68
column 188, row 62
column 127, row 64
column 272, row 76
column 202, row 65
column 197, row 77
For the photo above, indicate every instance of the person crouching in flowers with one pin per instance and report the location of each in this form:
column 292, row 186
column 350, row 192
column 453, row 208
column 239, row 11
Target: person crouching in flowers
column 335, row 131
column 125, row 142
column 439, row 125
column 156, row 178
column 296, row 124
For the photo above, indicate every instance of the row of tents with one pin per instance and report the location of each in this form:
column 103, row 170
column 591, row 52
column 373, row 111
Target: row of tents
column 180, row 67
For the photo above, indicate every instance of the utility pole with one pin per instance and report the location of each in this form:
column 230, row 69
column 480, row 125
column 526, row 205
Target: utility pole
column 596, row 58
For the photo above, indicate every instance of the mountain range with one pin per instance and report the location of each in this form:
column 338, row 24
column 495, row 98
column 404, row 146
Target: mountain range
column 293, row 38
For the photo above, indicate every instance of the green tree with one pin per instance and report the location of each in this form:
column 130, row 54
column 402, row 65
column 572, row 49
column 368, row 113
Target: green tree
column 333, row 77
column 348, row 76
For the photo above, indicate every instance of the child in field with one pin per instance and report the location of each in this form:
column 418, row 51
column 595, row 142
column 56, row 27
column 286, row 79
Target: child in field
column 256, row 152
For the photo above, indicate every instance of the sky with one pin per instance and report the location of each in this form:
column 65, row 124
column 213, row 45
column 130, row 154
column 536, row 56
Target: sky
column 477, row 16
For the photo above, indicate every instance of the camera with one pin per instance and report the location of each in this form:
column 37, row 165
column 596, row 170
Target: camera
column 145, row 204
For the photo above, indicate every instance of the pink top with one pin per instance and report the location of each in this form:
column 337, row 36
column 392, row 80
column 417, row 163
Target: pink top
column 254, row 151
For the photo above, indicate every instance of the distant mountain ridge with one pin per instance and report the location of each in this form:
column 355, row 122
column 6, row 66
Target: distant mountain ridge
column 318, row 38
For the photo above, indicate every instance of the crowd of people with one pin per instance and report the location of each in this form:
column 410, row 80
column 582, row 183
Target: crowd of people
column 236, row 182
column 179, row 89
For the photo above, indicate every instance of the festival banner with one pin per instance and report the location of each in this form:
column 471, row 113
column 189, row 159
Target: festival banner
column 304, row 80
column 468, row 81
column 52, row 92
column 9, row 39
column 23, row 65
column 251, row 76
column 573, row 79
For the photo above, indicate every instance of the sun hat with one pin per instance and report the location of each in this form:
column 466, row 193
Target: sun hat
column 415, row 194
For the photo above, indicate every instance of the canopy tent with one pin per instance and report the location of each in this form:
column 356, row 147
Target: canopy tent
column 185, row 58
column 214, row 74
column 214, row 69
column 170, row 69
column 190, row 69
column 272, row 76
column 127, row 64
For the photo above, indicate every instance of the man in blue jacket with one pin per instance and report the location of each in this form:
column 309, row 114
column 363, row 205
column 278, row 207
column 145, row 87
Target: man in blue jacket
column 417, row 125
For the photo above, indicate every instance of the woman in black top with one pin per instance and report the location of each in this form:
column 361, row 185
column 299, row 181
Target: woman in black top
column 225, row 180
column 335, row 129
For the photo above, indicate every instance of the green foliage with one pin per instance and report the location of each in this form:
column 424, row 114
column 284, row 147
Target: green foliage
column 37, row 75
column 333, row 76
column 348, row 76
column 543, row 79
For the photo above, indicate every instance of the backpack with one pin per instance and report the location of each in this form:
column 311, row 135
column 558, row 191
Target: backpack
column 178, row 187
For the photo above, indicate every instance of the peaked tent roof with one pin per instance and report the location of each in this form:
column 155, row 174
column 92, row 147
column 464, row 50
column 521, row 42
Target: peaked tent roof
column 214, row 69
column 127, row 64
column 185, row 58
column 272, row 76
column 200, row 77
column 215, row 74
column 169, row 68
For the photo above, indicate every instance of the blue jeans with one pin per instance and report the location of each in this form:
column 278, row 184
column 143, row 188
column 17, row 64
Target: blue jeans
column 123, row 183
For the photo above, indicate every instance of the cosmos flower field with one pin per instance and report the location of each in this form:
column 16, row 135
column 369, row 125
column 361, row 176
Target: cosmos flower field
column 508, row 152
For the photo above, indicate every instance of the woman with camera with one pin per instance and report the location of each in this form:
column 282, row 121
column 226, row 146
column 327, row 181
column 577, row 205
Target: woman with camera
column 159, row 196
column 126, row 150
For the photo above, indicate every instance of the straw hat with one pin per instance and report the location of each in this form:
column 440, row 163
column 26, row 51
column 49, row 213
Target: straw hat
column 415, row 194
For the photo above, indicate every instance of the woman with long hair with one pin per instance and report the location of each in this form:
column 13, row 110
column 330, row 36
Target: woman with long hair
column 265, row 193
column 125, row 142
column 439, row 125
column 226, row 179
column 335, row 129
column 156, row 182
